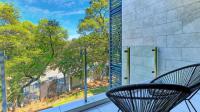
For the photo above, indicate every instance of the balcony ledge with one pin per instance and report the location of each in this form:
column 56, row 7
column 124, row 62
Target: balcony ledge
column 80, row 105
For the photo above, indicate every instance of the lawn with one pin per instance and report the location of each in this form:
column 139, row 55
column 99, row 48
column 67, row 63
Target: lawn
column 95, row 87
column 79, row 95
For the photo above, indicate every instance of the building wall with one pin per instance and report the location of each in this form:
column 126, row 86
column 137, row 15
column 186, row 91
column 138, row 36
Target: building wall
column 171, row 25
column 56, row 87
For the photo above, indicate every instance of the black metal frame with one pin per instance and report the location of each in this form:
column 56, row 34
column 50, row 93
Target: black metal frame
column 115, row 43
column 188, row 76
column 145, row 97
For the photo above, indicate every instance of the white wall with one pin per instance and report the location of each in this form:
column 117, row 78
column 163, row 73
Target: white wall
column 171, row 25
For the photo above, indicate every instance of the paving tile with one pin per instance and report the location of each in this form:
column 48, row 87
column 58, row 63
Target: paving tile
column 92, row 110
column 56, row 109
column 108, row 107
column 180, row 108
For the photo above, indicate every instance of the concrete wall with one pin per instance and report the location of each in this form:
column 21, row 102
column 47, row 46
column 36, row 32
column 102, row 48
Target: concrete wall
column 171, row 25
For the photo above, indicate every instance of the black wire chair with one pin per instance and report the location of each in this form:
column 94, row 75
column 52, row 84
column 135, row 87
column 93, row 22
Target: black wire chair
column 147, row 97
column 188, row 76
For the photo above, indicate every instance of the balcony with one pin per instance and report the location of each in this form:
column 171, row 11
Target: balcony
column 110, row 107
column 100, row 103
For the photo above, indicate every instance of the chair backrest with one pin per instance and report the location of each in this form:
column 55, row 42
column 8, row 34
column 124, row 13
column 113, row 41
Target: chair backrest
column 148, row 97
column 186, row 76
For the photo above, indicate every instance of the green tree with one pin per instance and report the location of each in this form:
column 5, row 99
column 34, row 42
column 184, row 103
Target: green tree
column 31, row 49
column 8, row 14
column 18, row 42
column 96, row 19
column 50, row 38
column 34, row 49
column 69, row 61
column 94, row 30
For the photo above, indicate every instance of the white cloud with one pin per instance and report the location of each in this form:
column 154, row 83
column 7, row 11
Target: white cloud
column 69, row 3
column 22, row 1
column 48, row 13
column 30, row 1
column 75, row 12
column 60, row 3
column 36, row 10
column 74, row 36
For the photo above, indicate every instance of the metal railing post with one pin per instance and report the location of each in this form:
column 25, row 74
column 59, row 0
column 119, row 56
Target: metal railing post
column 85, row 74
column 3, row 81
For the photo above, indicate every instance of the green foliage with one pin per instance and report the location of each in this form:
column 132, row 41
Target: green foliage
column 94, row 28
column 79, row 95
column 50, row 38
column 8, row 14
column 69, row 61
column 17, row 42
column 95, row 39
column 96, row 19
column 30, row 48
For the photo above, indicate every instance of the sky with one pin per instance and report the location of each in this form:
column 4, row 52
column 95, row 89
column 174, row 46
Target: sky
column 67, row 12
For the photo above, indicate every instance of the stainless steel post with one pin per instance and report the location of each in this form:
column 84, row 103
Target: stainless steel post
column 3, row 81
column 85, row 75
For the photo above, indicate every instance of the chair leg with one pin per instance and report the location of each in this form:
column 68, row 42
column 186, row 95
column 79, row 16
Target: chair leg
column 188, row 99
column 193, row 94
column 187, row 106
column 192, row 105
column 118, row 110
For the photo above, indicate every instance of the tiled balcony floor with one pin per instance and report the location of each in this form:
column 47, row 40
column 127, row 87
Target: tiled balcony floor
column 110, row 107
column 107, row 107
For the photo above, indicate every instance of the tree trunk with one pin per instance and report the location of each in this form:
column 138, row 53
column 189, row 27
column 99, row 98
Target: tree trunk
column 82, row 83
column 19, row 97
column 65, row 84
column 70, row 83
